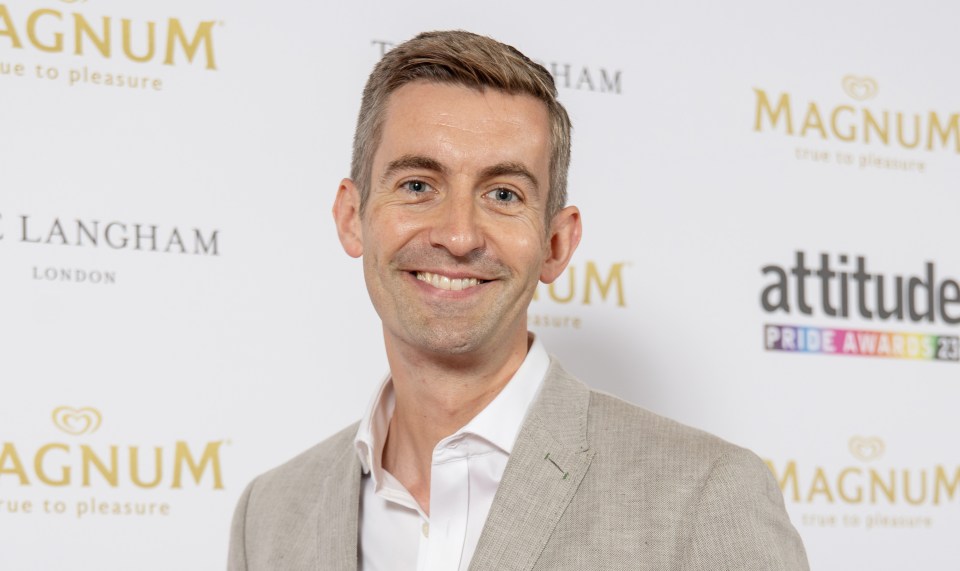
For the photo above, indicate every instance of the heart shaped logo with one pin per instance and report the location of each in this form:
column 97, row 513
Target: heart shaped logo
column 866, row 448
column 860, row 88
column 76, row 421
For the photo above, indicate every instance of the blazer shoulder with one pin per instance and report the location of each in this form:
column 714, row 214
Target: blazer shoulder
column 312, row 464
column 629, row 435
column 622, row 432
column 613, row 419
column 277, row 519
column 302, row 480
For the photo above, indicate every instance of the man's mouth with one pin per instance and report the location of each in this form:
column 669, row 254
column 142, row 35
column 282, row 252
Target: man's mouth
column 443, row 282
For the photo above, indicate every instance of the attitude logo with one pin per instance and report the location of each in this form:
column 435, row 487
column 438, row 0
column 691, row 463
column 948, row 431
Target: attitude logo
column 869, row 492
column 842, row 288
column 112, row 471
column 861, row 122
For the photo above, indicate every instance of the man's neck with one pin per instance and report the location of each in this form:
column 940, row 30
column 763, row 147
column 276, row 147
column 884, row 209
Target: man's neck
column 435, row 397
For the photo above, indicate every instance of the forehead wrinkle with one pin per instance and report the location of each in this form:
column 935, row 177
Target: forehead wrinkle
column 484, row 126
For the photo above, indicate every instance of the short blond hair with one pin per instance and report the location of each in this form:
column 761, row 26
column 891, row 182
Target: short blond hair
column 470, row 60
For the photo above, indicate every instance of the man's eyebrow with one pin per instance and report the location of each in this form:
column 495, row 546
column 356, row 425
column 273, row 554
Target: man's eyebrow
column 412, row 162
column 510, row 169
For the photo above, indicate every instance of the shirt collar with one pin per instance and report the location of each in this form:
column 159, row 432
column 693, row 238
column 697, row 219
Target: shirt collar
column 499, row 423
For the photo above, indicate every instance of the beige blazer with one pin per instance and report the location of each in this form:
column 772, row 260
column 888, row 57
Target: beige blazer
column 622, row 488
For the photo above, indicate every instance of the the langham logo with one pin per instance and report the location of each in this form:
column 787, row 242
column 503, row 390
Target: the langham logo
column 566, row 75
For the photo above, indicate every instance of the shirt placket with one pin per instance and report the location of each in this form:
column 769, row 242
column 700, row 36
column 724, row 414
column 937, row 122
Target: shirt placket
column 449, row 507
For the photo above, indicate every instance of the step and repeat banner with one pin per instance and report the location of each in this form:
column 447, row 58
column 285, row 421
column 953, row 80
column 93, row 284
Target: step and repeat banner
column 770, row 197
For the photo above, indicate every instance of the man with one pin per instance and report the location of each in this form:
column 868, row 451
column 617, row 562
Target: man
column 480, row 451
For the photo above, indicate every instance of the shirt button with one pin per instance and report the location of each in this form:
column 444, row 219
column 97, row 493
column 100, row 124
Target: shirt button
column 425, row 528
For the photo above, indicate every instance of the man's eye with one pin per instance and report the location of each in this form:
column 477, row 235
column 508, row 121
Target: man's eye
column 504, row 195
column 416, row 186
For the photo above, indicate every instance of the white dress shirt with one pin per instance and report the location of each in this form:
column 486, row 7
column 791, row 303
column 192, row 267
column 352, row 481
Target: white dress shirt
column 467, row 467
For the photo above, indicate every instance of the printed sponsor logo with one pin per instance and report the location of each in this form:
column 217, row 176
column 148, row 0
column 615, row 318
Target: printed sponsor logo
column 842, row 288
column 102, row 38
column 76, row 421
column 566, row 75
column 116, row 235
column 122, row 475
column 590, row 284
column 862, row 122
column 871, row 492
column 31, row 231
column 863, row 343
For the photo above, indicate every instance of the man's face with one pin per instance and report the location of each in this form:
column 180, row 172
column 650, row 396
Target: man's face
column 453, row 234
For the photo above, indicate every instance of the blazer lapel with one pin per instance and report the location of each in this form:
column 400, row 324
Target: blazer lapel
column 548, row 461
column 338, row 514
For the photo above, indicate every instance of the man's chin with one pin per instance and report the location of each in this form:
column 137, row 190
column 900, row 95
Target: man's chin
column 453, row 346
column 442, row 341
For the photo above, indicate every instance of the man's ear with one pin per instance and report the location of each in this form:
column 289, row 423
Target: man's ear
column 565, row 230
column 346, row 215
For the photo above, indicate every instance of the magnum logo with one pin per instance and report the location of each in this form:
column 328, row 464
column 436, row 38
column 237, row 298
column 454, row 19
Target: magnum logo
column 860, row 88
column 53, row 31
column 62, row 464
column 859, row 484
column 847, row 122
column 76, row 421
column 587, row 285
column 867, row 448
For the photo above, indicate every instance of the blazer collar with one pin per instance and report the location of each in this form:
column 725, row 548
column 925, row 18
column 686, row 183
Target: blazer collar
column 549, row 459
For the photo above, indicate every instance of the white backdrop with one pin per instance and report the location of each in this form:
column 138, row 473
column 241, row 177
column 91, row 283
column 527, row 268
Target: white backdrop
column 173, row 288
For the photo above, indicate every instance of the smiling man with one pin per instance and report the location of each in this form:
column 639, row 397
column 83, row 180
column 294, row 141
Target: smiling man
column 479, row 451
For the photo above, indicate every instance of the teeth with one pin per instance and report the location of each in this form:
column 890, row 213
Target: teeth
column 443, row 282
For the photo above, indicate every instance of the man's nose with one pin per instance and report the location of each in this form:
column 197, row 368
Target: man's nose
column 457, row 225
